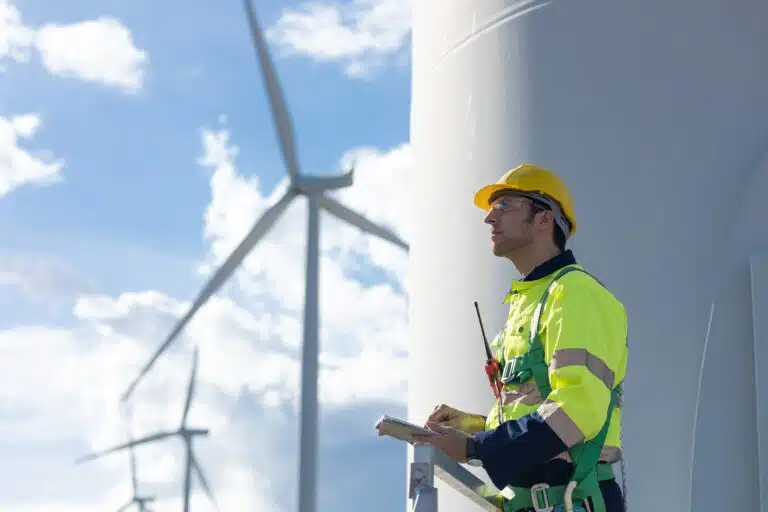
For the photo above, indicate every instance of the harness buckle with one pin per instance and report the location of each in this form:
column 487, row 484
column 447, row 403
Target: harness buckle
column 540, row 498
column 514, row 371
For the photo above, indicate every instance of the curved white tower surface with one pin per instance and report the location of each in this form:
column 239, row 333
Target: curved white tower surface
column 656, row 115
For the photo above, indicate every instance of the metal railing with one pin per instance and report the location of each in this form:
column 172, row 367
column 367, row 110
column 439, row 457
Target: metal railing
column 428, row 463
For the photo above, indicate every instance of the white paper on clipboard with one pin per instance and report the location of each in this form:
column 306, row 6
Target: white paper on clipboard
column 399, row 429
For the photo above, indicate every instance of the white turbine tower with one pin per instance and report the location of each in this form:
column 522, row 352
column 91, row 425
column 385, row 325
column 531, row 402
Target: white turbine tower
column 314, row 188
column 655, row 113
column 187, row 435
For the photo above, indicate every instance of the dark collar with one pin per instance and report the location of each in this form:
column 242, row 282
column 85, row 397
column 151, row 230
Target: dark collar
column 551, row 265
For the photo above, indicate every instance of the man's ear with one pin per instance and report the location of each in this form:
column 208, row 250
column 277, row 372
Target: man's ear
column 545, row 218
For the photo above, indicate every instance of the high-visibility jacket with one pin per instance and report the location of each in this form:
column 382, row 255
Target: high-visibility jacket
column 583, row 330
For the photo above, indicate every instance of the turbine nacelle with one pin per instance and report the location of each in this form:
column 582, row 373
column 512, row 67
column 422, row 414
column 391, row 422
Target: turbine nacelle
column 319, row 184
column 192, row 432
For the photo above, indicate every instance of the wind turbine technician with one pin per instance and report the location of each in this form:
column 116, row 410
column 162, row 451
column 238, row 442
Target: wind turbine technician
column 554, row 433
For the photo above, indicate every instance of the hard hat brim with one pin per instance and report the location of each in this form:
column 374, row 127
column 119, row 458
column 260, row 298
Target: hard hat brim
column 483, row 196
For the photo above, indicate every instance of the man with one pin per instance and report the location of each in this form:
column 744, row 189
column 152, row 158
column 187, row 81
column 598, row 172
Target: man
column 562, row 355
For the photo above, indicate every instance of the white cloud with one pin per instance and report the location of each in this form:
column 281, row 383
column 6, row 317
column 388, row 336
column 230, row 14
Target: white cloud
column 247, row 392
column 100, row 50
column 361, row 34
column 15, row 37
column 19, row 166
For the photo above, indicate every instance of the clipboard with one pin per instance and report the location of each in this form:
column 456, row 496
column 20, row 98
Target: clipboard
column 399, row 429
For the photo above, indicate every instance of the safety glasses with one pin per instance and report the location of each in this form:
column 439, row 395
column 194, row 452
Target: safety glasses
column 509, row 203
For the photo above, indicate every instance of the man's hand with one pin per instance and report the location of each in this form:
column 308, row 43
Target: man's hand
column 451, row 441
column 447, row 416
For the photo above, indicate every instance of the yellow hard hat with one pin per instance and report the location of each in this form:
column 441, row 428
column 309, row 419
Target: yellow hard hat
column 531, row 179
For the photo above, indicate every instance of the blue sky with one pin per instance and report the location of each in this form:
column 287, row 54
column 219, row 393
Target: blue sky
column 136, row 149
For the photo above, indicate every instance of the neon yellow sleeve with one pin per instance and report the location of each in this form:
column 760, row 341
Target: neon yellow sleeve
column 584, row 337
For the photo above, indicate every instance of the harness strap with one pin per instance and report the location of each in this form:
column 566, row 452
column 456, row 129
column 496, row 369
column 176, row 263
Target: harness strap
column 585, row 455
column 543, row 496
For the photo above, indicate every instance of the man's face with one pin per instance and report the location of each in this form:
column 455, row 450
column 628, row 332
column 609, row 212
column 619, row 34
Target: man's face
column 511, row 218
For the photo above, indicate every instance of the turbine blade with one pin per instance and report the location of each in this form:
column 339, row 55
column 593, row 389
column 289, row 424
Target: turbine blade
column 280, row 115
column 342, row 212
column 203, row 480
column 123, row 446
column 190, row 389
column 127, row 506
column 259, row 229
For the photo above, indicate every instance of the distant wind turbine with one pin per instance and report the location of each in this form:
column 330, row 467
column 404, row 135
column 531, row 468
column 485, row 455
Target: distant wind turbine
column 137, row 499
column 187, row 435
column 314, row 188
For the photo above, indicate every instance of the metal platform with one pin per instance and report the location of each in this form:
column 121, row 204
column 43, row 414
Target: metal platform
column 428, row 463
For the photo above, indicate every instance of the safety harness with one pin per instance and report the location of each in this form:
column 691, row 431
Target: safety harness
column 587, row 473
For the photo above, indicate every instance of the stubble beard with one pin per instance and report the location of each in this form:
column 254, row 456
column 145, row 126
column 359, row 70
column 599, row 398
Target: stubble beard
column 506, row 247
